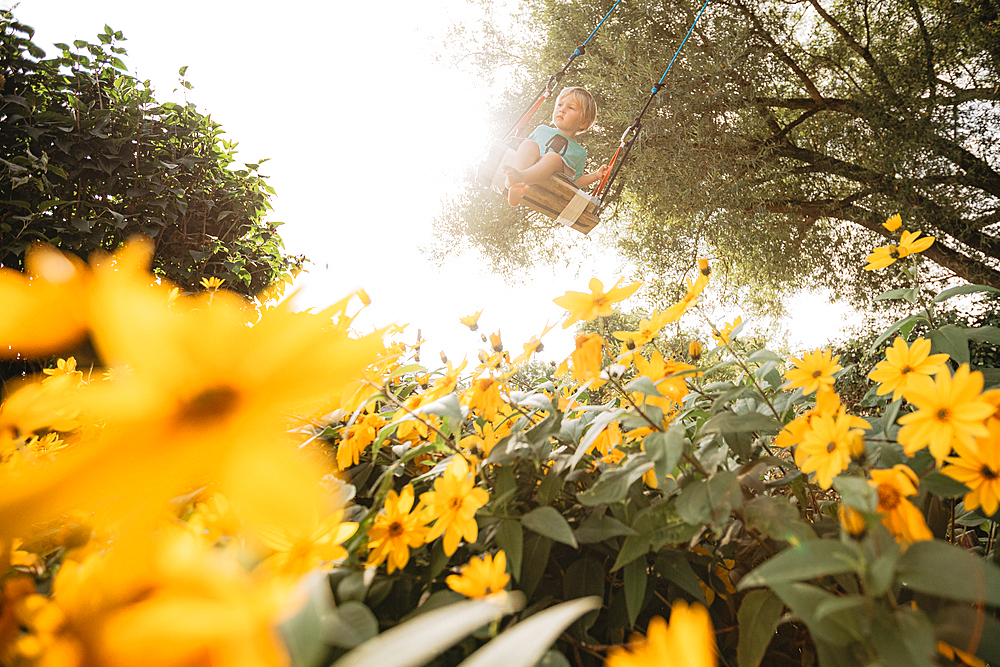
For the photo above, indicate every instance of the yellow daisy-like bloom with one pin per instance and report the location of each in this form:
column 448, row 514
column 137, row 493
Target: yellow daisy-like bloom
column 827, row 446
column 950, row 411
column 910, row 244
column 903, row 364
column 65, row 367
column 471, row 321
column 484, row 397
column 396, row 530
column 899, row 515
column 648, row 330
column 212, row 283
column 481, row 576
column 587, row 357
column 689, row 641
column 893, row 223
column 297, row 552
column 361, row 434
column 669, row 376
column 453, row 504
column 814, row 370
column 586, row 307
column 852, row 521
column 487, row 434
column 978, row 467
column 44, row 309
column 956, row 654
column 694, row 350
column 722, row 337
column 609, row 438
column 882, row 257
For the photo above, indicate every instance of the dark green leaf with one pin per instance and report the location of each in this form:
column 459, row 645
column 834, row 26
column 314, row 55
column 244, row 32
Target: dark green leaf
column 510, row 538
column 838, row 628
column 711, row 500
column 731, row 422
column 943, row 569
column 905, row 637
column 963, row 289
column 942, row 485
column 808, row 560
column 549, row 522
column 612, row 486
column 951, row 340
column 536, row 559
column 673, row 565
column 599, row 527
column 349, row 625
column 635, row 577
column 758, row 619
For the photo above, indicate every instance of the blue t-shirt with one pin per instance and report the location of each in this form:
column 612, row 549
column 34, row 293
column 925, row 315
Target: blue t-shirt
column 549, row 139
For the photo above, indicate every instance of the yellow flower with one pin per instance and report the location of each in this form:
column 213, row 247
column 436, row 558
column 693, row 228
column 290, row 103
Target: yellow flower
column 827, row 446
column 910, row 244
column 213, row 283
column 587, row 357
column 65, row 367
column 45, row 309
column 899, row 515
column 978, row 467
column 903, row 364
column 609, row 438
column 669, row 376
column 453, row 504
column 954, row 654
column 694, row 350
column 648, row 330
column 893, row 223
column 813, row 370
column 487, row 434
column 689, row 641
column 586, row 307
column 722, row 337
column 882, row 257
column 484, row 397
column 361, row 434
column 471, row 321
column 215, row 518
column 950, row 410
column 481, row 577
column 298, row 551
column 721, row 568
column 396, row 530
column 852, row 521
column 495, row 343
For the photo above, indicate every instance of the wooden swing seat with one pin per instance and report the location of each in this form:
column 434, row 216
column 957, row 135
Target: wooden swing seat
column 559, row 198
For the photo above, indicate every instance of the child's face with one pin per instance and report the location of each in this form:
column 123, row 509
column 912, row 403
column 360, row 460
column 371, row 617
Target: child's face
column 568, row 116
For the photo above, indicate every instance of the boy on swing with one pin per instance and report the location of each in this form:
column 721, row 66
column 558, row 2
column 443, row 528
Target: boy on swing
column 550, row 150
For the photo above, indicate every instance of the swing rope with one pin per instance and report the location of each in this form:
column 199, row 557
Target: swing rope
column 554, row 80
column 626, row 141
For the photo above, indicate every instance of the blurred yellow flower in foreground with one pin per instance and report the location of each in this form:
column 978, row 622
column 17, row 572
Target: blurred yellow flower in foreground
column 586, row 307
column 298, row 551
column 587, row 357
column 689, row 641
column 481, row 576
column 978, row 467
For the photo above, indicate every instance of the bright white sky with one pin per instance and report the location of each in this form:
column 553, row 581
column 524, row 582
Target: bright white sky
column 365, row 132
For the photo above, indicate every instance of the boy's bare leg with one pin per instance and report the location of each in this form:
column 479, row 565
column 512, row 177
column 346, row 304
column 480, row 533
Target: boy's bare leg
column 519, row 179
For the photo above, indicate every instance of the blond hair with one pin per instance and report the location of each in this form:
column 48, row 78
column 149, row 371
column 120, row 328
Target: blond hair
column 586, row 101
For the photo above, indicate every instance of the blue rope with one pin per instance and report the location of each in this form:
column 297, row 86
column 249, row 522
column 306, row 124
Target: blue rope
column 587, row 41
column 678, row 52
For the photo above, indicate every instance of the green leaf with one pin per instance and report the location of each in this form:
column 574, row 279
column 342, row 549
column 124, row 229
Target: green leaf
column 838, row 628
column 349, row 625
column 951, row 340
column 526, row 642
column 946, row 570
column 984, row 335
column 510, row 538
column 732, row 422
column 895, row 326
column 905, row 637
column 597, row 427
column 656, row 526
column 643, row 385
column 599, row 527
column 763, row 356
column 807, row 560
column 856, row 492
column 583, row 578
column 777, row 518
column 943, row 486
column 303, row 632
column 416, row 641
column 536, row 559
column 944, row 295
column 758, row 619
column 612, row 486
column 553, row 658
column 909, row 294
column 665, row 449
column 635, row 578
column 549, row 522
column 446, row 406
column 709, row 500
column 673, row 565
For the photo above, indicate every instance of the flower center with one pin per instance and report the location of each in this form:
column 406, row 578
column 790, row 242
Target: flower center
column 816, row 374
column 830, row 447
column 888, row 497
column 894, row 253
column 395, row 529
column 455, row 503
column 208, row 406
column 905, row 370
column 988, row 473
column 943, row 415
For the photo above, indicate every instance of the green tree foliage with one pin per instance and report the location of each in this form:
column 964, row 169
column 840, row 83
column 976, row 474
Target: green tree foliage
column 88, row 158
column 786, row 133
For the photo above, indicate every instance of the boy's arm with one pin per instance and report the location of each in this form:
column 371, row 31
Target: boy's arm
column 592, row 177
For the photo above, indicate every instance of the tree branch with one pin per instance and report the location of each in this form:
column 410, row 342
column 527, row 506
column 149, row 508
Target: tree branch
column 853, row 43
